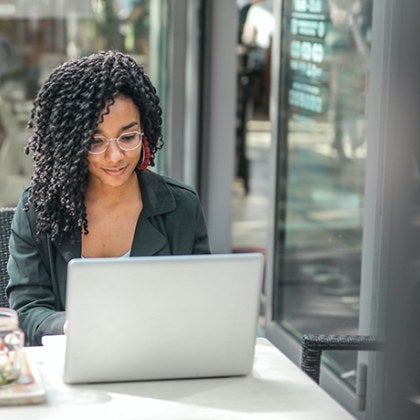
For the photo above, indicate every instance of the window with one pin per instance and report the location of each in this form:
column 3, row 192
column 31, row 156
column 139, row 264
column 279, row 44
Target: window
column 324, row 77
column 36, row 36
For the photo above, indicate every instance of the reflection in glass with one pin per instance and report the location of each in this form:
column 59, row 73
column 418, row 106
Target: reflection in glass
column 321, row 168
column 38, row 35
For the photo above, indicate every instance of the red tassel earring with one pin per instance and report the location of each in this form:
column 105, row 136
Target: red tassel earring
column 145, row 161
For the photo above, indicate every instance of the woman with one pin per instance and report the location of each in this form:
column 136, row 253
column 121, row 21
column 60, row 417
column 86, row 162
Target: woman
column 96, row 126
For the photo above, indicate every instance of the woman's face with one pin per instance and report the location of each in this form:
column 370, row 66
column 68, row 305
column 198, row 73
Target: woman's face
column 114, row 167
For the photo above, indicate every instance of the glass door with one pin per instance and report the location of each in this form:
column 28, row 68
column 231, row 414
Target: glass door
column 323, row 81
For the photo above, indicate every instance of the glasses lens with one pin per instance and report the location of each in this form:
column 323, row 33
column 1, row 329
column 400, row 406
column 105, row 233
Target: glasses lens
column 98, row 145
column 129, row 141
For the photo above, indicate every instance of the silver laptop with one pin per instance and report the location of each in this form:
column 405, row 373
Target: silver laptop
column 146, row 318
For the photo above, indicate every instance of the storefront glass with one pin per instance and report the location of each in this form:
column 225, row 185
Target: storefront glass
column 324, row 77
column 38, row 35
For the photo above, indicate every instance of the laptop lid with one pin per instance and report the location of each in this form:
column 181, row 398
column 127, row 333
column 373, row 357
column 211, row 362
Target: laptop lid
column 162, row 317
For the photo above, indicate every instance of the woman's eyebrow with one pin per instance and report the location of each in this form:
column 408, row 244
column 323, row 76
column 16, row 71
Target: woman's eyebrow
column 127, row 126
column 123, row 128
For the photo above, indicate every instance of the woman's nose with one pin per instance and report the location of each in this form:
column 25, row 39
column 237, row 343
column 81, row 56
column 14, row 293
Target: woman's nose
column 113, row 152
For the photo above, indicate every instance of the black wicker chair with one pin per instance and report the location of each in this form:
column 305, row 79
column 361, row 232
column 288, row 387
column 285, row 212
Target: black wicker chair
column 6, row 216
column 314, row 344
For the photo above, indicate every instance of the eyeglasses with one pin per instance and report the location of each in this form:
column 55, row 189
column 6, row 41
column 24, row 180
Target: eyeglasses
column 126, row 141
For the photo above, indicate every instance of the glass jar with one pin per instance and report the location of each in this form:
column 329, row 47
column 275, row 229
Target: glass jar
column 11, row 347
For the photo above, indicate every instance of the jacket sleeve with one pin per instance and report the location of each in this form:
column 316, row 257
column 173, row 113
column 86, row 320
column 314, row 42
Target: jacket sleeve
column 30, row 291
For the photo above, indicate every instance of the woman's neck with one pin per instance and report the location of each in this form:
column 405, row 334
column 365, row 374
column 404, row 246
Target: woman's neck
column 97, row 191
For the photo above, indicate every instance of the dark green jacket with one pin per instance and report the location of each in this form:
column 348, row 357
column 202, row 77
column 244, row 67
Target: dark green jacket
column 170, row 223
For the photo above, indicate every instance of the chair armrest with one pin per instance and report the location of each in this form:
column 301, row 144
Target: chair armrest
column 314, row 344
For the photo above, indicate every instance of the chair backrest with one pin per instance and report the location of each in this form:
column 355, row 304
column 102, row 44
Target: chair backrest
column 6, row 216
column 314, row 344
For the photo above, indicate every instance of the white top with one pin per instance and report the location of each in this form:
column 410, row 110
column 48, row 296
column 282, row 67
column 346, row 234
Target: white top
column 126, row 255
column 275, row 389
column 259, row 25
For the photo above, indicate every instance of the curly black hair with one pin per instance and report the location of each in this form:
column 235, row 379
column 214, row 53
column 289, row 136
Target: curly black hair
column 65, row 115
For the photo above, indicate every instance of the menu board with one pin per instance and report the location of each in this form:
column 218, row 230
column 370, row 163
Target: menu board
column 305, row 27
column 325, row 55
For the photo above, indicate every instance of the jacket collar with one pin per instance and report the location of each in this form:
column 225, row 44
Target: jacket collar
column 157, row 199
column 69, row 250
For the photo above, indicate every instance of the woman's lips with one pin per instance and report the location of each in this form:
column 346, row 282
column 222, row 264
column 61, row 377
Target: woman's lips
column 114, row 171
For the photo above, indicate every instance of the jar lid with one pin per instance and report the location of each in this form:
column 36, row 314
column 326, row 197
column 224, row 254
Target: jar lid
column 8, row 318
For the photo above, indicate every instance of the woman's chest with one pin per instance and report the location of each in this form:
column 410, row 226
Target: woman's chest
column 110, row 233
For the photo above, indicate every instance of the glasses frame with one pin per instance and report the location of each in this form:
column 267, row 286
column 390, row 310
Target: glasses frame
column 116, row 139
